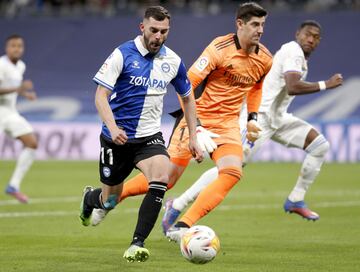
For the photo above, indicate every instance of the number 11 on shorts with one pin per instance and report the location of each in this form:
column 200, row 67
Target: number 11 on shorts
column 109, row 152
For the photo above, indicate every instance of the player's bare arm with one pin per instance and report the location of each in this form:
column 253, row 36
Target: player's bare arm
column 308, row 38
column 101, row 101
column 27, row 90
column 190, row 117
column 26, row 85
column 296, row 86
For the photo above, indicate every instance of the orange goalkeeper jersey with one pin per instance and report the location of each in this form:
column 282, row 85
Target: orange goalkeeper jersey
column 230, row 76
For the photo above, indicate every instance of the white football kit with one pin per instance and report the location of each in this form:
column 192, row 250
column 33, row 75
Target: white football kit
column 276, row 123
column 11, row 76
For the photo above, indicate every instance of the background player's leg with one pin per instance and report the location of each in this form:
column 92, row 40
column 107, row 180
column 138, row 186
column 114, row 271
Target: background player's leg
column 172, row 213
column 191, row 193
column 24, row 162
column 316, row 147
column 295, row 132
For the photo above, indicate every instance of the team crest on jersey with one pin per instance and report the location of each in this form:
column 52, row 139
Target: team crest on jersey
column 298, row 61
column 135, row 64
column 106, row 171
column 165, row 67
column 202, row 63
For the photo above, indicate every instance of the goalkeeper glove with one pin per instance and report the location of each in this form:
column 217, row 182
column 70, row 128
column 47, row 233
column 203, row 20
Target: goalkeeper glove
column 205, row 141
column 253, row 128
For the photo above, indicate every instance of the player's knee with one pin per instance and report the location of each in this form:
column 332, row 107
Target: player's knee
column 33, row 145
column 29, row 141
column 318, row 147
column 163, row 178
column 111, row 202
column 233, row 172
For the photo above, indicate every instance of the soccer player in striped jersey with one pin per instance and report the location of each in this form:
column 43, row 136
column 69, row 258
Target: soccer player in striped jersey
column 12, row 69
column 286, row 79
column 131, row 85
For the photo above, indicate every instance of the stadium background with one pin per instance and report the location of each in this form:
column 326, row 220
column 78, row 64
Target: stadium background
column 67, row 41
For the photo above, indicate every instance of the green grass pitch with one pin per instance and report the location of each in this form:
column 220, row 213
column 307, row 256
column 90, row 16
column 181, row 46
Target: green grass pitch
column 254, row 231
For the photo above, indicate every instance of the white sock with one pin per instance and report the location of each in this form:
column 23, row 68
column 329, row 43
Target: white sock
column 310, row 168
column 23, row 164
column 190, row 194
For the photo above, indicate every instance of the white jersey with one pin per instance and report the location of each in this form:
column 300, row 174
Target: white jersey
column 275, row 99
column 11, row 76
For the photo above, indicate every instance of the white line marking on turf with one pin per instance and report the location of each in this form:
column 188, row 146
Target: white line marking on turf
column 67, row 199
column 277, row 206
column 135, row 210
column 37, row 214
column 73, row 199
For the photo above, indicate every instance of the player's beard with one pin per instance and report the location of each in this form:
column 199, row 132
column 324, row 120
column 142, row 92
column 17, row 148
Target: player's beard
column 149, row 45
column 14, row 58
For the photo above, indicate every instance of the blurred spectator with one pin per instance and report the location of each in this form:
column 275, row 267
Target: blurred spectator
column 108, row 8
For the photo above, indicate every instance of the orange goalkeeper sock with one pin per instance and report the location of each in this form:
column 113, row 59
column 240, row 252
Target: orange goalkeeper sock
column 137, row 185
column 212, row 195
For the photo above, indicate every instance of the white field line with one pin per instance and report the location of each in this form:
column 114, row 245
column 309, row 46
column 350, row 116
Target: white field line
column 222, row 207
column 67, row 199
column 37, row 214
column 278, row 206
column 74, row 199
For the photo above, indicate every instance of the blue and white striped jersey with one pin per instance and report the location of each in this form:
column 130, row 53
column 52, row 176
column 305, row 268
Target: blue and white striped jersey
column 138, row 82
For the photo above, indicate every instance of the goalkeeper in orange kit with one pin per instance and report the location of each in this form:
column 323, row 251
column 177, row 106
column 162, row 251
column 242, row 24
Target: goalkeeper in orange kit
column 233, row 68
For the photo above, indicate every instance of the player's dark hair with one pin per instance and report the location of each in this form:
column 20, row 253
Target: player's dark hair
column 13, row 37
column 250, row 9
column 310, row 23
column 159, row 13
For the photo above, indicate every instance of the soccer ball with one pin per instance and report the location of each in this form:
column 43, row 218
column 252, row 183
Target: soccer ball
column 199, row 244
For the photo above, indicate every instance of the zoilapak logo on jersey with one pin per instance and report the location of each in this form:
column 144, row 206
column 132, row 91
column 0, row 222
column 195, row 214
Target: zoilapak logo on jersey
column 148, row 82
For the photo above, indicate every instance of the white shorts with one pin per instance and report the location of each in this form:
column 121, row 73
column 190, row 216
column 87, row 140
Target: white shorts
column 291, row 132
column 14, row 125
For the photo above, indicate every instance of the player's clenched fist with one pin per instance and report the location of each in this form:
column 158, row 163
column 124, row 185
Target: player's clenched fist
column 26, row 85
column 196, row 151
column 333, row 82
column 118, row 136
